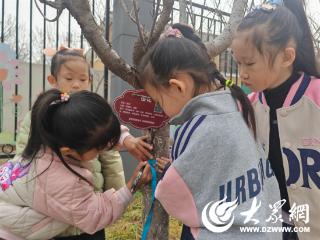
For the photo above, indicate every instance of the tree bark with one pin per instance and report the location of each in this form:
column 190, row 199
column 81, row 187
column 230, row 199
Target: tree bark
column 223, row 41
column 183, row 17
column 152, row 37
column 160, row 223
column 80, row 10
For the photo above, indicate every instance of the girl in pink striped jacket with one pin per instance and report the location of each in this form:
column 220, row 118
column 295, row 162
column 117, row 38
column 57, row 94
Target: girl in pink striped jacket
column 50, row 187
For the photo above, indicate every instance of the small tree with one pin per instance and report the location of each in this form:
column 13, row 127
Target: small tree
column 80, row 10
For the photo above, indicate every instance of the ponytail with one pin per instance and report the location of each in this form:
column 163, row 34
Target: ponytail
column 238, row 94
column 306, row 58
column 273, row 29
column 81, row 121
column 40, row 136
column 214, row 74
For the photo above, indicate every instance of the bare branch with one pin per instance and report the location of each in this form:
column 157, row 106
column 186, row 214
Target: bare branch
column 162, row 20
column 139, row 50
column 140, row 30
column 58, row 4
column 224, row 40
column 183, row 11
column 80, row 10
column 124, row 6
column 155, row 16
column 191, row 14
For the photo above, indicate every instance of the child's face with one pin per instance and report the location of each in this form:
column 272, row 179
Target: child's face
column 174, row 97
column 73, row 76
column 256, row 71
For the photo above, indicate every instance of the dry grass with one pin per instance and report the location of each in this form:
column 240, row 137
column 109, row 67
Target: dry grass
column 130, row 225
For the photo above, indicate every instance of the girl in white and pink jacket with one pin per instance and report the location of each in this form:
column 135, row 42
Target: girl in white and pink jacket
column 274, row 49
column 50, row 187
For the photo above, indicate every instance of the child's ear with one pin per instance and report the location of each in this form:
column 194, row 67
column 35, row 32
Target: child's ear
column 52, row 81
column 178, row 85
column 65, row 151
column 289, row 55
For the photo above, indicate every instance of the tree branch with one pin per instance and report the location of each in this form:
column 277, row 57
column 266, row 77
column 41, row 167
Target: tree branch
column 140, row 29
column 183, row 11
column 80, row 10
column 223, row 41
column 155, row 16
column 124, row 6
column 58, row 4
column 139, row 50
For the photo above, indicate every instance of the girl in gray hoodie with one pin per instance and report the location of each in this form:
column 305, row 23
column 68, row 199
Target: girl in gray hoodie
column 220, row 180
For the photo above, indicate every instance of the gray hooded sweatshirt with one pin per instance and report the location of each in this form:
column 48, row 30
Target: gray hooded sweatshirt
column 215, row 157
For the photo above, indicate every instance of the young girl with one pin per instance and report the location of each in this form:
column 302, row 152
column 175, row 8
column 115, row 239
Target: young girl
column 273, row 46
column 215, row 156
column 70, row 72
column 50, row 188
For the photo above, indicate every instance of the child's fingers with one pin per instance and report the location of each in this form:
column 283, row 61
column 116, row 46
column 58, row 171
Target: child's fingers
column 164, row 160
column 145, row 152
column 160, row 164
column 146, row 145
column 146, row 176
column 145, row 137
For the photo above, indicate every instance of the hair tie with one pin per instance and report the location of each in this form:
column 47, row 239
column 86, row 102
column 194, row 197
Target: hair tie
column 50, row 52
column 275, row 2
column 229, row 83
column 171, row 32
column 270, row 5
column 64, row 97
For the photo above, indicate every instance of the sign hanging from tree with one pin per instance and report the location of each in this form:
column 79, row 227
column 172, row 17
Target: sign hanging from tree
column 135, row 107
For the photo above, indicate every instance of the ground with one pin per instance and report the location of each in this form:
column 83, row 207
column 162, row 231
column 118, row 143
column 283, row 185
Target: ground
column 130, row 225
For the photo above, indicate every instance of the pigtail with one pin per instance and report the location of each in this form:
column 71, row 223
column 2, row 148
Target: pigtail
column 214, row 74
column 306, row 58
column 40, row 135
column 238, row 94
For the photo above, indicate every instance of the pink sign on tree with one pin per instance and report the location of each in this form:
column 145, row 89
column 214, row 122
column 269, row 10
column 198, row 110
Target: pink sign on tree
column 136, row 108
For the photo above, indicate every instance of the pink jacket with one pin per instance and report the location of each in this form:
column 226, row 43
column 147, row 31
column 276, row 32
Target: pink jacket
column 41, row 200
column 299, row 131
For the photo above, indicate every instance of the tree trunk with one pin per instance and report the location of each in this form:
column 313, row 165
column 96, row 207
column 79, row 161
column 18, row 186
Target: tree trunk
column 223, row 41
column 160, row 223
column 183, row 17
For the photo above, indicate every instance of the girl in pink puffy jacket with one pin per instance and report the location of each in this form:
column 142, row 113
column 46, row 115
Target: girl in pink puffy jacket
column 50, row 187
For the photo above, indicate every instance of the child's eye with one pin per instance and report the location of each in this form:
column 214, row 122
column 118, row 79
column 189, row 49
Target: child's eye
column 83, row 80
column 249, row 64
column 69, row 79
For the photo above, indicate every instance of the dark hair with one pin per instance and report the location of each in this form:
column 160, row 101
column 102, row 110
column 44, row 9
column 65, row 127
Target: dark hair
column 275, row 28
column 64, row 55
column 82, row 123
column 173, row 54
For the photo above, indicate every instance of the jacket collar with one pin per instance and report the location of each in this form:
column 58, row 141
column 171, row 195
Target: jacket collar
column 217, row 102
column 295, row 94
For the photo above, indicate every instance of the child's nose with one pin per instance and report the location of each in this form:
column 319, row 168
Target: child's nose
column 76, row 84
column 243, row 74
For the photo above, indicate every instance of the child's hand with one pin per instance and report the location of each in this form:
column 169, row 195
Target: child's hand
column 141, row 176
column 138, row 148
column 161, row 163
